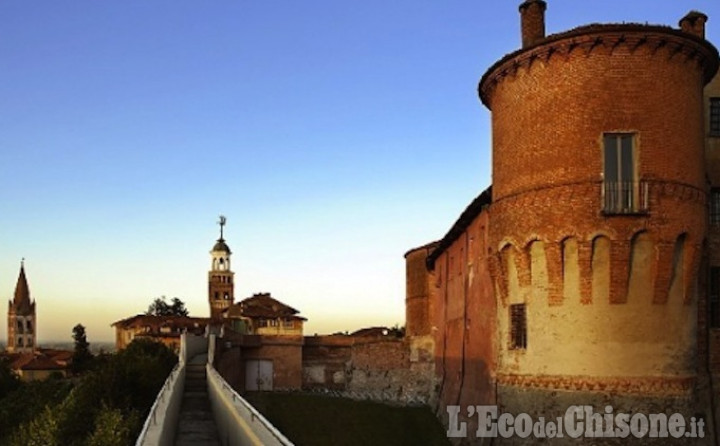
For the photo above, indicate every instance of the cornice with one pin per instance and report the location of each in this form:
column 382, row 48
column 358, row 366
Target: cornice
column 595, row 37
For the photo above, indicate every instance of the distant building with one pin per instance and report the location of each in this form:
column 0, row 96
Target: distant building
column 220, row 277
column 263, row 315
column 22, row 329
column 39, row 364
column 165, row 329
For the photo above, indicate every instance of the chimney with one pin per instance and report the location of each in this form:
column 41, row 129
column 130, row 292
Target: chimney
column 532, row 18
column 694, row 23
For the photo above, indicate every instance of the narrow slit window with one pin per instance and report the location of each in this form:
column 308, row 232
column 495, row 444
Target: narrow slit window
column 714, row 297
column 518, row 327
column 715, row 206
column 714, row 117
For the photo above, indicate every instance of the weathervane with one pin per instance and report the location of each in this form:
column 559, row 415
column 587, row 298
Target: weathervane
column 222, row 222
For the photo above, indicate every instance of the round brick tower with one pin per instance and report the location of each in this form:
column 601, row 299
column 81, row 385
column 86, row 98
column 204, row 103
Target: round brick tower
column 599, row 204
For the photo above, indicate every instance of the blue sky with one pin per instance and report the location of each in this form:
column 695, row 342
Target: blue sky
column 333, row 135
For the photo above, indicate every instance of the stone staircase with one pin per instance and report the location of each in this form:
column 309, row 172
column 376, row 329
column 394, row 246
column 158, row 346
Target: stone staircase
column 196, row 425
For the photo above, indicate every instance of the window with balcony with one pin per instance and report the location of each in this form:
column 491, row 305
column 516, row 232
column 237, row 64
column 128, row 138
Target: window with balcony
column 622, row 192
column 714, row 117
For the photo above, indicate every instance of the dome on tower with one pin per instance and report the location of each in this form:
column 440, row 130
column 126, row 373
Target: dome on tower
column 221, row 246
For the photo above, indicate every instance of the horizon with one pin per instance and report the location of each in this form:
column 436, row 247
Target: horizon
column 334, row 137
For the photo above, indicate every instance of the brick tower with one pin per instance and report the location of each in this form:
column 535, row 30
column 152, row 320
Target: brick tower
column 220, row 276
column 598, row 211
column 22, row 330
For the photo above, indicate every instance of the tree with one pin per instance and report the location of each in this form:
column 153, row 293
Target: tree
column 82, row 357
column 113, row 428
column 8, row 380
column 160, row 307
column 178, row 307
column 104, row 406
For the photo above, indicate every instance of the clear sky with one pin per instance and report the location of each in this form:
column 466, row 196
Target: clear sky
column 334, row 135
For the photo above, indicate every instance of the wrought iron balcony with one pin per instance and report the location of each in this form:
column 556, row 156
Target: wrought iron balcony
column 625, row 197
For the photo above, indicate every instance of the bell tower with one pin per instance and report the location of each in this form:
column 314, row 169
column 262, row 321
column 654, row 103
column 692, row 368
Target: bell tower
column 220, row 276
column 21, row 317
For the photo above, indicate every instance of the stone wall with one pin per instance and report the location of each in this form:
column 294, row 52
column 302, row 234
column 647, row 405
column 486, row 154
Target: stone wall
column 377, row 368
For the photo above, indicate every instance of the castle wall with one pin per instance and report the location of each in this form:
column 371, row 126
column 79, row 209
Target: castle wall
column 710, row 345
column 619, row 288
column 464, row 321
column 418, row 306
column 377, row 368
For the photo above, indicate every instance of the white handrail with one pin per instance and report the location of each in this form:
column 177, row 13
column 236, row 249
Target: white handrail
column 159, row 427
column 238, row 422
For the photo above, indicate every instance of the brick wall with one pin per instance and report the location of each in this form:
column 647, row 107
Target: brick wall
column 379, row 368
column 464, row 321
column 417, row 291
column 285, row 352
column 551, row 106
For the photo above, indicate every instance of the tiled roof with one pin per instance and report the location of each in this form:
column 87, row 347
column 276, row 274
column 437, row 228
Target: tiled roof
column 157, row 322
column 34, row 361
column 57, row 355
column 262, row 305
column 372, row 332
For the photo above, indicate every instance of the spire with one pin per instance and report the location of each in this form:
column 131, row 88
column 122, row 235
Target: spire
column 222, row 223
column 21, row 302
column 221, row 246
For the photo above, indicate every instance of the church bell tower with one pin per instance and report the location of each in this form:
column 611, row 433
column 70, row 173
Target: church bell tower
column 21, row 318
column 220, row 276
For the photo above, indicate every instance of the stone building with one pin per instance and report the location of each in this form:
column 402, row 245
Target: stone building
column 39, row 364
column 22, row 328
column 579, row 275
column 263, row 315
column 164, row 329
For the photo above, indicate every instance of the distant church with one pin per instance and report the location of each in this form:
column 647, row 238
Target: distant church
column 22, row 332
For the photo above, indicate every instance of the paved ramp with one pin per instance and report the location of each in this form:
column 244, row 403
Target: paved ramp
column 196, row 424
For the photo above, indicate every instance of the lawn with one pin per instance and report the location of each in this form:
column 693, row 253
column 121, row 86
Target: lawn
column 316, row 420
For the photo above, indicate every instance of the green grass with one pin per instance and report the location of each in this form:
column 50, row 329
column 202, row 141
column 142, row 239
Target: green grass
column 315, row 420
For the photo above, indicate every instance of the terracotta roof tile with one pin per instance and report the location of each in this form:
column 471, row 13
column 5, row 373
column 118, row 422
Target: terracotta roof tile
column 262, row 305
